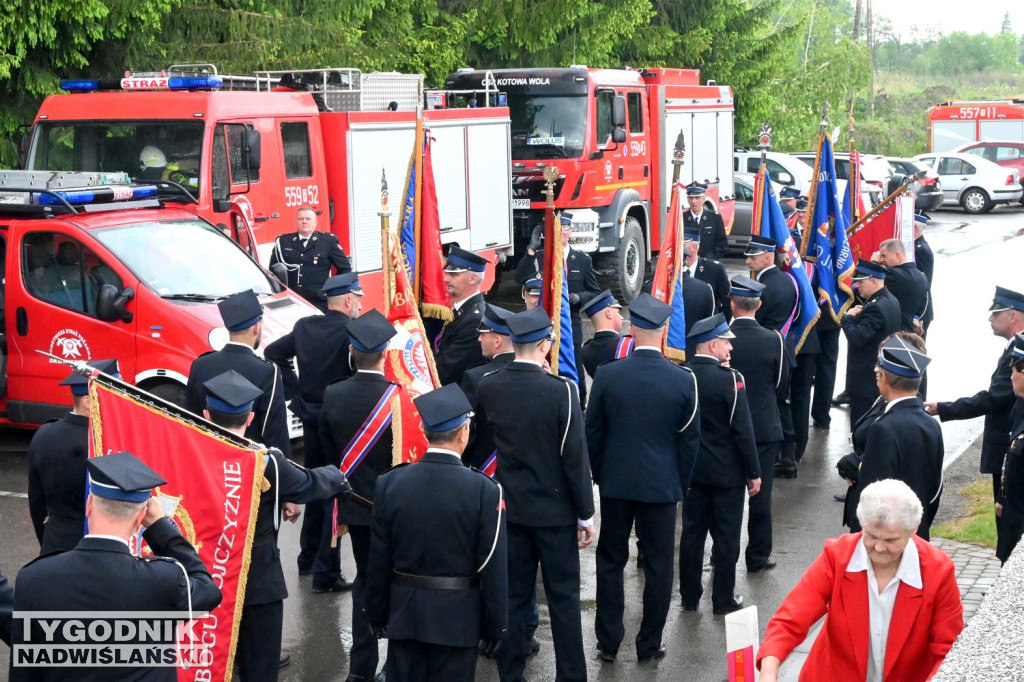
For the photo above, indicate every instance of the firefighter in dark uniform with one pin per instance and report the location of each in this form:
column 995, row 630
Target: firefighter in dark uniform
column 709, row 271
column 436, row 595
column 496, row 345
column 57, row 459
column 457, row 347
column 1010, row 505
column 101, row 574
column 230, row 400
column 779, row 298
column 348, row 405
column 319, row 345
column 604, row 312
column 713, row 241
column 306, row 258
column 531, row 292
column 903, row 442
column 643, row 428
column 996, row 403
column 865, row 327
column 243, row 317
column 759, row 354
column 905, row 282
column 788, row 197
column 581, row 279
column 542, row 464
column 726, row 468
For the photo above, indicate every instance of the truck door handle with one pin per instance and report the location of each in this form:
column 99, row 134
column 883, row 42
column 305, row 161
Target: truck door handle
column 21, row 321
column 620, row 172
column 261, row 219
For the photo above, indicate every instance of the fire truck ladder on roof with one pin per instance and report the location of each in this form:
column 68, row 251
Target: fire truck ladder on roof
column 347, row 89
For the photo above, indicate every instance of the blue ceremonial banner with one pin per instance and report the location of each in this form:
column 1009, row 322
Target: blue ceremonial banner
column 675, row 338
column 407, row 235
column 773, row 226
column 829, row 244
column 566, row 349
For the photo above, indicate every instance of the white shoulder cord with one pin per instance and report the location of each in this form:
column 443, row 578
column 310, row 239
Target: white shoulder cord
column 188, row 593
column 497, row 529
column 782, row 358
column 696, row 403
column 735, row 395
column 266, row 415
column 568, row 422
column 277, row 488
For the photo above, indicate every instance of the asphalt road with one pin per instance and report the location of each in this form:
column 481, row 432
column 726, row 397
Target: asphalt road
column 973, row 254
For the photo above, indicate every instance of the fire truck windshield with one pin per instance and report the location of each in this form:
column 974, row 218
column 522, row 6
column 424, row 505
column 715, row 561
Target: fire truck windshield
column 146, row 150
column 547, row 127
column 184, row 259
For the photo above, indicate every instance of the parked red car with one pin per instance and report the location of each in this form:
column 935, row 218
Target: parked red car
column 1007, row 153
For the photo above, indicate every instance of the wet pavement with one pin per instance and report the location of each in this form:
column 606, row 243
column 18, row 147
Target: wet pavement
column 972, row 256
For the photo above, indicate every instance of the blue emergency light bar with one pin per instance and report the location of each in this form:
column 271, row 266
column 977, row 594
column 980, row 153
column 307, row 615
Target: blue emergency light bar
column 129, row 82
column 95, row 195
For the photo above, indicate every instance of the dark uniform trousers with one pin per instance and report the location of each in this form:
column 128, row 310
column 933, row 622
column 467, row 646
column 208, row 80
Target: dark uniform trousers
column 57, row 459
column 643, row 438
column 543, row 466
column 458, row 347
column 320, row 347
column 347, row 403
column 760, row 355
column 309, row 265
column 259, row 636
column 825, row 368
column 801, row 381
column 412, row 661
column 714, row 502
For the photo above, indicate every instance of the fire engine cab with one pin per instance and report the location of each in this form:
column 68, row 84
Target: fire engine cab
column 955, row 123
column 255, row 148
column 97, row 267
column 611, row 133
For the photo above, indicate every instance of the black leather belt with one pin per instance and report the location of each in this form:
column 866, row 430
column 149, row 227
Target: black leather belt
column 431, row 582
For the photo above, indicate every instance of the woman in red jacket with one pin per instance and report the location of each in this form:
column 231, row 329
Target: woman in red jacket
column 891, row 601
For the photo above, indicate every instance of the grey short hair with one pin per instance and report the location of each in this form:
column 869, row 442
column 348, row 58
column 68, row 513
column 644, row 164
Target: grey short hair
column 893, row 246
column 890, row 502
column 118, row 509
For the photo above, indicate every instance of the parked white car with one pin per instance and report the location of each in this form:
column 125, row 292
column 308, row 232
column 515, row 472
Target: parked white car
column 972, row 182
column 783, row 169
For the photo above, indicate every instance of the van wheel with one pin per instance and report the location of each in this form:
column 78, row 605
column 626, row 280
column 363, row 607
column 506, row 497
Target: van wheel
column 627, row 264
column 975, row 200
column 169, row 391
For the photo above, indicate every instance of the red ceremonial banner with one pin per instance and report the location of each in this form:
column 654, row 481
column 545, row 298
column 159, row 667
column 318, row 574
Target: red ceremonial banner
column 213, row 487
column 431, row 262
column 894, row 222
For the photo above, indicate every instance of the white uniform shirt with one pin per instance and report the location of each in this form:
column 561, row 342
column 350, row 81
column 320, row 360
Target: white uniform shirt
column 881, row 604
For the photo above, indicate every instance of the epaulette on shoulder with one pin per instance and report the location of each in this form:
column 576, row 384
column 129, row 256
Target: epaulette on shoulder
column 393, row 467
column 475, row 470
column 203, row 355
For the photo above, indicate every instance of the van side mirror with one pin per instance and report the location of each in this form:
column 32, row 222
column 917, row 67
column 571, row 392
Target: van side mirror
column 110, row 303
column 785, row 178
column 618, row 135
column 252, row 148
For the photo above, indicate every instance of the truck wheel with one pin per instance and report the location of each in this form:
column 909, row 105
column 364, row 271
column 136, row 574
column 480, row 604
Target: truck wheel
column 628, row 263
column 975, row 200
column 169, row 391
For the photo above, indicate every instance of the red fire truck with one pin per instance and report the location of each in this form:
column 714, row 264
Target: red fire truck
column 952, row 124
column 95, row 267
column 610, row 132
column 255, row 148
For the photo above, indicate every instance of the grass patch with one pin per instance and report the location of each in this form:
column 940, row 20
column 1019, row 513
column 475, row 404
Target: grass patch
column 978, row 524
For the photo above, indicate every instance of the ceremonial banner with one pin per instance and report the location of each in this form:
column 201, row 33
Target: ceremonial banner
column 555, row 301
column 828, row 244
column 896, row 221
column 667, row 285
column 421, row 238
column 771, row 223
column 213, row 488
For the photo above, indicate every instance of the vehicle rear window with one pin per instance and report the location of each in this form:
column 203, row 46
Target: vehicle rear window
column 1007, row 153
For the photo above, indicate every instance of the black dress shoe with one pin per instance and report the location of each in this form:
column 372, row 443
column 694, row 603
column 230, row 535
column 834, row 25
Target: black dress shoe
column 286, row 658
column 659, row 653
column 841, row 399
column 735, row 604
column 785, row 472
column 605, row 656
column 532, row 646
column 840, row 497
column 766, row 566
column 822, row 425
column 379, row 677
column 689, row 607
column 339, row 585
